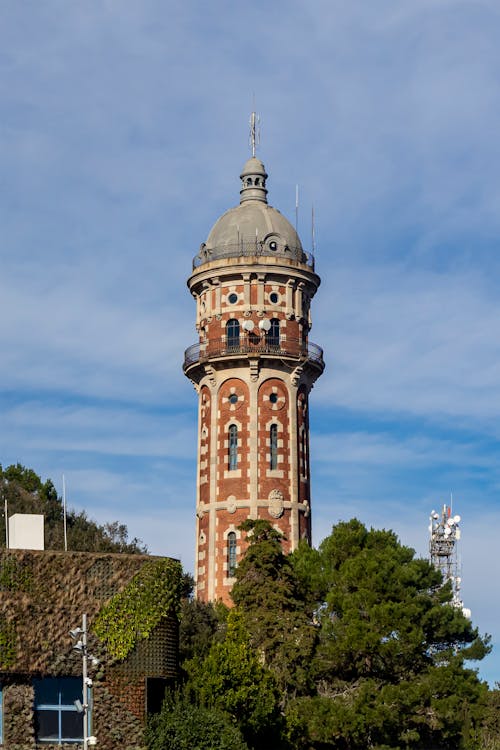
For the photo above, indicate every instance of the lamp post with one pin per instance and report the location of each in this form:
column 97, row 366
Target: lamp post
column 79, row 636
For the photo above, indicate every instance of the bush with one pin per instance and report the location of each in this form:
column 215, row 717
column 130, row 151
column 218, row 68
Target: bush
column 181, row 726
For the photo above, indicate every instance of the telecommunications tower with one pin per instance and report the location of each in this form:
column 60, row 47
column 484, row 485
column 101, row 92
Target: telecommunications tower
column 444, row 534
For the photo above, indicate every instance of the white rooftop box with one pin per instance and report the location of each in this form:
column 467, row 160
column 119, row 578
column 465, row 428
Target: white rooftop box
column 26, row 531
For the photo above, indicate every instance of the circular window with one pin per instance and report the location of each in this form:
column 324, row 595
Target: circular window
column 233, row 398
column 273, row 398
column 273, row 245
column 232, row 298
column 274, row 297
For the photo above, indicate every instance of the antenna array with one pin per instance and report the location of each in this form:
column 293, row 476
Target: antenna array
column 445, row 532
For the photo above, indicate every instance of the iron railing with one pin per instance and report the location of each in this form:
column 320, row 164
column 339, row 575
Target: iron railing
column 252, row 344
column 252, row 248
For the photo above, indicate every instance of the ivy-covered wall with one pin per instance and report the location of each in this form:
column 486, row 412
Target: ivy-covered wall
column 131, row 603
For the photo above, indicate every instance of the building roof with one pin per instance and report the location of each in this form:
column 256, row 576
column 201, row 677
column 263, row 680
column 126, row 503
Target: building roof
column 254, row 224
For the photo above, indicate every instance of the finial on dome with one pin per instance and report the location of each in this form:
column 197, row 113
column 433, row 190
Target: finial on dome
column 253, row 177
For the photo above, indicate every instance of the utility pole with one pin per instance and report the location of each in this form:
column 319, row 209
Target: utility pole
column 79, row 636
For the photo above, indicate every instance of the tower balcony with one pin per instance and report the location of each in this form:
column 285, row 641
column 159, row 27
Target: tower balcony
column 251, row 346
column 254, row 249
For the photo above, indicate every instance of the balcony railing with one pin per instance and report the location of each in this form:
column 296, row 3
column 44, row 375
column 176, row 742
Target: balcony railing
column 253, row 344
column 251, row 248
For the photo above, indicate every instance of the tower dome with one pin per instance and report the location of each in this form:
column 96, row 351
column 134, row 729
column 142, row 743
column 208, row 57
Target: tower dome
column 253, row 227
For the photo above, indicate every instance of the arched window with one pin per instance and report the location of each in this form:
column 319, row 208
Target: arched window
column 233, row 333
column 273, row 442
column 233, row 447
column 231, row 554
column 273, row 334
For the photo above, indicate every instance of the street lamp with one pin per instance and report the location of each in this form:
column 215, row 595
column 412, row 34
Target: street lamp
column 79, row 636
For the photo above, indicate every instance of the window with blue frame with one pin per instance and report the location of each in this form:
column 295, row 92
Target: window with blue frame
column 56, row 717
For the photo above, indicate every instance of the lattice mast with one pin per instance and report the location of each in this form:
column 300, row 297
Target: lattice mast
column 445, row 534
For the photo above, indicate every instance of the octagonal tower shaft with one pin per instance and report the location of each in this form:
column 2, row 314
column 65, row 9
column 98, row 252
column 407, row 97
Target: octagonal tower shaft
column 253, row 368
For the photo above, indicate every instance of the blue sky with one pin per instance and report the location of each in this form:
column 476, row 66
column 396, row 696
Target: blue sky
column 123, row 131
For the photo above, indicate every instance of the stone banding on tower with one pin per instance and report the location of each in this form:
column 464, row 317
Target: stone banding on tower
column 253, row 368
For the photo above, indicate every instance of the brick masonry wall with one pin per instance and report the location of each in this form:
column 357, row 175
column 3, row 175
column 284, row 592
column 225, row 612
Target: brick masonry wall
column 205, row 444
column 273, row 408
column 251, row 488
column 233, row 482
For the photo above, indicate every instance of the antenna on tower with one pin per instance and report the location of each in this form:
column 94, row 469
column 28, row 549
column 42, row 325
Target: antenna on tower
column 313, row 232
column 254, row 139
column 297, row 208
column 444, row 534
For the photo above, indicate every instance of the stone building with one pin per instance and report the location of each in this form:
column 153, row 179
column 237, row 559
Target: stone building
column 253, row 368
column 130, row 602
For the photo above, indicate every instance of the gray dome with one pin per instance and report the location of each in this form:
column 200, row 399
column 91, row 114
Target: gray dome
column 253, row 227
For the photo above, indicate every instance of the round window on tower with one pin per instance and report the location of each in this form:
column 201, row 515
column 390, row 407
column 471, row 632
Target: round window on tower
column 274, row 298
column 233, row 398
column 273, row 245
column 232, row 298
column 274, row 398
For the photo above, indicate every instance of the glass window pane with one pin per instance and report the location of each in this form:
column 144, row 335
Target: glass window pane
column 47, row 725
column 231, row 553
column 47, row 691
column 57, row 718
column 71, row 725
column 233, row 447
column 70, row 689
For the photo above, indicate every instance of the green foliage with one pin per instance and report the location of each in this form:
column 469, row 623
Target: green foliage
column 267, row 592
column 184, row 726
column 348, row 647
column 26, row 493
column 490, row 724
column 199, row 625
column 232, row 679
column 384, row 615
column 133, row 613
column 438, row 709
column 389, row 664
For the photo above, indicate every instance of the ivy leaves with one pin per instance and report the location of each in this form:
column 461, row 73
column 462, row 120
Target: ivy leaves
column 133, row 613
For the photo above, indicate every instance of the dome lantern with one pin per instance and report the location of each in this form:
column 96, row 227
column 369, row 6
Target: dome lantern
column 253, row 181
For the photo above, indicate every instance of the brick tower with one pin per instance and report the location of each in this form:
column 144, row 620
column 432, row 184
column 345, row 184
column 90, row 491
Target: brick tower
column 253, row 369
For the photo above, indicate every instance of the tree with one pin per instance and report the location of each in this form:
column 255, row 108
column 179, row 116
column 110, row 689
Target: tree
column 490, row 724
column 200, row 624
column 25, row 492
column 389, row 666
column 184, row 726
column 267, row 592
column 232, row 679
